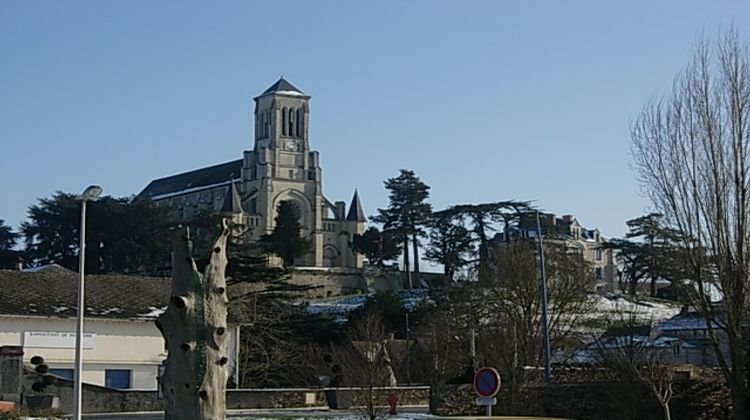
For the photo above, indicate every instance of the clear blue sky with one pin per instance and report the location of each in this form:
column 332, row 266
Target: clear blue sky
column 485, row 100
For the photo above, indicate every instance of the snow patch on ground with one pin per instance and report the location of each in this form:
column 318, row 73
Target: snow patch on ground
column 621, row 306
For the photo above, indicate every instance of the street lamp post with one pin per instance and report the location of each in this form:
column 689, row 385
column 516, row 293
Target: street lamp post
column 543, row 289
column 90, row 194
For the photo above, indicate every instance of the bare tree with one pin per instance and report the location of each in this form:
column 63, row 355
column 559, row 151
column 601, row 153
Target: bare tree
column 366, row 365
column 636, row 359
column 511, row 336
column 692, row 152
column 443, row 339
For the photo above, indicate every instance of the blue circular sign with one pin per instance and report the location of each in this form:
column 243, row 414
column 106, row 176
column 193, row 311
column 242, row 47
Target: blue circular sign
column 486, row 382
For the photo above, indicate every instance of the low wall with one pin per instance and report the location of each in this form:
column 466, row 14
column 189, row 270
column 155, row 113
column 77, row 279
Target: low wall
column 275, row 398
column 329, row 281
column 700, row 399
column 97, row 399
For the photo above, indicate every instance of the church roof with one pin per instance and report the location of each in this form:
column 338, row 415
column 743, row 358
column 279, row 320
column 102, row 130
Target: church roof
column 193, row 180
column 283, row 86
column 356, row 213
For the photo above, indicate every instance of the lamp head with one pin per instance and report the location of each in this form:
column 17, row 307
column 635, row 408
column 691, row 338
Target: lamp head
column 91, row 193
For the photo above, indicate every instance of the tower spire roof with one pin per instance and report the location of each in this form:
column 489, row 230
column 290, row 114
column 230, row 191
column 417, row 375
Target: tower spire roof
column 356, row 213
column 283, row 86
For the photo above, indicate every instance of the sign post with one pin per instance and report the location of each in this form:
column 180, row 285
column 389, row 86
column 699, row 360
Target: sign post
column 486, row 385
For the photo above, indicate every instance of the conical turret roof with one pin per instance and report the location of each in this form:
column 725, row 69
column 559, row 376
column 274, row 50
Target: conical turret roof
column 356, row 213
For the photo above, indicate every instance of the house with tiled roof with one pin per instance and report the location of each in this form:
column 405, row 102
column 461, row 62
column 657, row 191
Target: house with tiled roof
column 122, row 347
column 280, row 167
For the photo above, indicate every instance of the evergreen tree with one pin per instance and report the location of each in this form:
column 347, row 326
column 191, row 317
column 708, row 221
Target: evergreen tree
column 650, row 251
column 451, row 244
column 8, row 239
column 482, row 220
column 377, row 246
column 285, row 240
column 125, row 235
column 407, row 214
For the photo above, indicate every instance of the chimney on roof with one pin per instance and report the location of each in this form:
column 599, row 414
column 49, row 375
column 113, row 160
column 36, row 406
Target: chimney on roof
column 568, row 218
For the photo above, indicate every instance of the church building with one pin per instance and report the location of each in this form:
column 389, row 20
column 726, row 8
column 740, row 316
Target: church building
column 281, row 166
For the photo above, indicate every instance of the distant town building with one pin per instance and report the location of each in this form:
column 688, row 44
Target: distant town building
column 567, row 231
column 281, row 166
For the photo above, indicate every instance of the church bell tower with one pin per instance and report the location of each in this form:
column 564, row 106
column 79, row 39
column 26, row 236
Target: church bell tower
column 281, row 165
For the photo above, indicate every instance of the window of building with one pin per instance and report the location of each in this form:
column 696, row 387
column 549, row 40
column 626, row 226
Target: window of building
column 117, row 378
column 291, row 174
column 291, row 122
column 598, row 272
column 63, row 373
column 311, row 175
column 598, row 254
column 676, row 349
column 300, row 122
column 283, row 121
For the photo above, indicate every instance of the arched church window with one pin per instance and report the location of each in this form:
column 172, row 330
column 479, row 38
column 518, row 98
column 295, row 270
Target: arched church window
column 300, row 122
column 283, row 121
column 291, row 122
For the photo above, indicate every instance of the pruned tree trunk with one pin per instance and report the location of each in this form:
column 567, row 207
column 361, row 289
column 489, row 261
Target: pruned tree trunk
column 415, row 247
column 194, row 327
column 407, row 269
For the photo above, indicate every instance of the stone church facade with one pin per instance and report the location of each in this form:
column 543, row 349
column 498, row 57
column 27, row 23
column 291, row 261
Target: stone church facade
column 281, row 166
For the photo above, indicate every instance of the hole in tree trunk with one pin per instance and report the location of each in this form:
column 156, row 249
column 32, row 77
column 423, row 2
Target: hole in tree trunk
column 189, row 259
column 220, row 290
column 187, row 386
column 217, row 249
column 223, row 361
column 185, row 346
column 203, row 394
column 220, row 331
column 179, row 302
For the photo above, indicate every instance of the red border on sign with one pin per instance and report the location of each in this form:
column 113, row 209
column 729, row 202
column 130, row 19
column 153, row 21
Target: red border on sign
column 481, row 372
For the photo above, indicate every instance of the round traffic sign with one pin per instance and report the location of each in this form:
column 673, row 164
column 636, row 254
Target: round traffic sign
column 486, row 382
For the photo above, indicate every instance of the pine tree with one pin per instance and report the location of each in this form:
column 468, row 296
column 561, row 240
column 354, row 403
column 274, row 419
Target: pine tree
column 407, row 214
column 285, row 240
column 377, row 246
column 451, row 244
column 8, row 239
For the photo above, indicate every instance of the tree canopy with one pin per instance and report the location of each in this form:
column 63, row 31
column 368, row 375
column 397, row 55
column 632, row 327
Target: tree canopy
column 8, row 240
column 126, row 235
column 407, row 214
column 378, row 247
column 286, row 239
